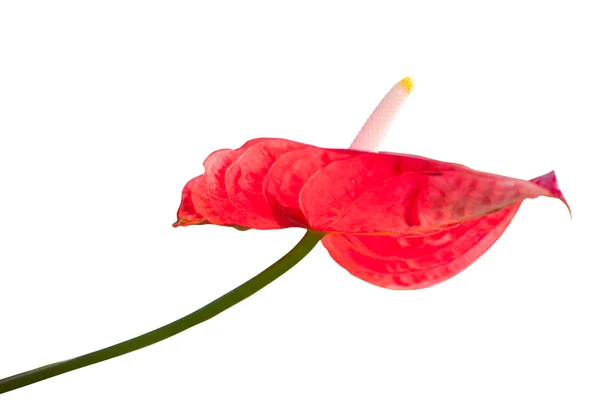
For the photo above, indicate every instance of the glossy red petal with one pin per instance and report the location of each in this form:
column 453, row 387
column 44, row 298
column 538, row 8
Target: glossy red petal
column 187, row 213
column 276, row 183
column 292, row 172
column 379, row 193
column 244, row 182
column 332, row 199
column 197, row 205
column 231, row 192
column 419, row 260
column 412, row 261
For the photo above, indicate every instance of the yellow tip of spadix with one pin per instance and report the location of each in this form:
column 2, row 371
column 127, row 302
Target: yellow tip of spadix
column 407, row 84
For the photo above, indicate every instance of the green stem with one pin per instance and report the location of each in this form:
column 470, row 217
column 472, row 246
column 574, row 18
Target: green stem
column 245, row 290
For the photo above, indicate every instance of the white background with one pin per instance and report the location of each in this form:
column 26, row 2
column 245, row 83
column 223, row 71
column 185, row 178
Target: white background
column 108, row 108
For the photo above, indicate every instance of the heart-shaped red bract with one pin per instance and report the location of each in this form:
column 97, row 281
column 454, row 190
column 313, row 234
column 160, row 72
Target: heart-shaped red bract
column 394, row 220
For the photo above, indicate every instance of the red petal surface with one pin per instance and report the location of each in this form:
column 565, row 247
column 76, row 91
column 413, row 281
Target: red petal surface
column 244, row 182
column 414, row 261
column 292, row 173
column 277, row 183
column 231, row 190
column 394, row 220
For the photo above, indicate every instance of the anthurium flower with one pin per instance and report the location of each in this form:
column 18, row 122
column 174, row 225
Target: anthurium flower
column 395, row 220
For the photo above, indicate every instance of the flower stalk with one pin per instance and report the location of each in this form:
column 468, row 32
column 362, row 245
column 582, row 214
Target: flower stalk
column 240, row 293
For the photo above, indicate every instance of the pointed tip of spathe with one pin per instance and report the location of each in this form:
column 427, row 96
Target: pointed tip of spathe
column 568, row 207
column 550, row 183
column 562, row 198
column 556, row 192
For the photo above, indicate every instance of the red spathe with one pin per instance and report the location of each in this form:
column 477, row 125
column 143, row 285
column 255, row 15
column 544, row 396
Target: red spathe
column 394, row 220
